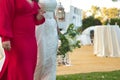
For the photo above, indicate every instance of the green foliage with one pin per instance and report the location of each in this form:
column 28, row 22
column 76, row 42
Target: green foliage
column 114, row 0
column 113, row 21
column 64, row 47
column 79, row 29
column 104, row 13
column 94, row 10
column 68, row 40
column 110, row 12
column 71, row 31
column 90, row 21
column 113, row 75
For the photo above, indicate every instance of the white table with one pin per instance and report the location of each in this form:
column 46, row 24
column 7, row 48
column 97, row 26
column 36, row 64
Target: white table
column 107, row 41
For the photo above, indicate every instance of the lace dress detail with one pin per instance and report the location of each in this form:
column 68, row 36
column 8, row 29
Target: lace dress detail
column 47, row 40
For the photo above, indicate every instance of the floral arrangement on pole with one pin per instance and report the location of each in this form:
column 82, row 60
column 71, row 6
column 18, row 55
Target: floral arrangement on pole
column 68, row 40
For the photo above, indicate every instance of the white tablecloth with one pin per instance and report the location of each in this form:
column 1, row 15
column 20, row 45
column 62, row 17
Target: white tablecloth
column 107, row 41
column 85, row 36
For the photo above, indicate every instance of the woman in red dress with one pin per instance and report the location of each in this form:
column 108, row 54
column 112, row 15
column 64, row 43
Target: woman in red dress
column 17, row 29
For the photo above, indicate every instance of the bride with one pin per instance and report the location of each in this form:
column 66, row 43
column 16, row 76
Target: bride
column 47, row 39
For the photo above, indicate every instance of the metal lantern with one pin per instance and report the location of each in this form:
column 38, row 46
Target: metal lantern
column 60, row 13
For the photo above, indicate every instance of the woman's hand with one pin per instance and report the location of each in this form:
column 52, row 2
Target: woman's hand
column 40, row 14
column 41, row 11
column 6, row 45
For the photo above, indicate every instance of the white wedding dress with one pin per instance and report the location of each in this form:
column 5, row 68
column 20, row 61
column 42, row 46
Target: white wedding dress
column 2, row 55
column 47, row 39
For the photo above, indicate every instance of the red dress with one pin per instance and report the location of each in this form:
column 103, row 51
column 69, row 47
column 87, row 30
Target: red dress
column 17, row 24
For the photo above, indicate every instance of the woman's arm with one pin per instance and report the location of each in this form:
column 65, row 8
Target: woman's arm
column 39, row 18
column 7, row 12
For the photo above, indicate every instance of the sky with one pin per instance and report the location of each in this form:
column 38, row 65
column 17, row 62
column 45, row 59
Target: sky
column 86, row 4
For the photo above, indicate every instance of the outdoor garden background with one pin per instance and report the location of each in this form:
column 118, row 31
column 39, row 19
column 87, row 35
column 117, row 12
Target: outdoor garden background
column 69, row 44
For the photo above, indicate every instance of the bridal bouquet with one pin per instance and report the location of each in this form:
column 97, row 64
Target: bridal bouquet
column 68, row 40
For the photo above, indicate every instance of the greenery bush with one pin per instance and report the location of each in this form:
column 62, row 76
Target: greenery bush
column 113, row 21
column 68, row 40
column 90, row 21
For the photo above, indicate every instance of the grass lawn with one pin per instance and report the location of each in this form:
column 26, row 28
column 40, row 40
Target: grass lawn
column 113, row 75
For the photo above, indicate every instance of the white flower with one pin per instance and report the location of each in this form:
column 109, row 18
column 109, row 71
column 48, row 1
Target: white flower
column 59, row 43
